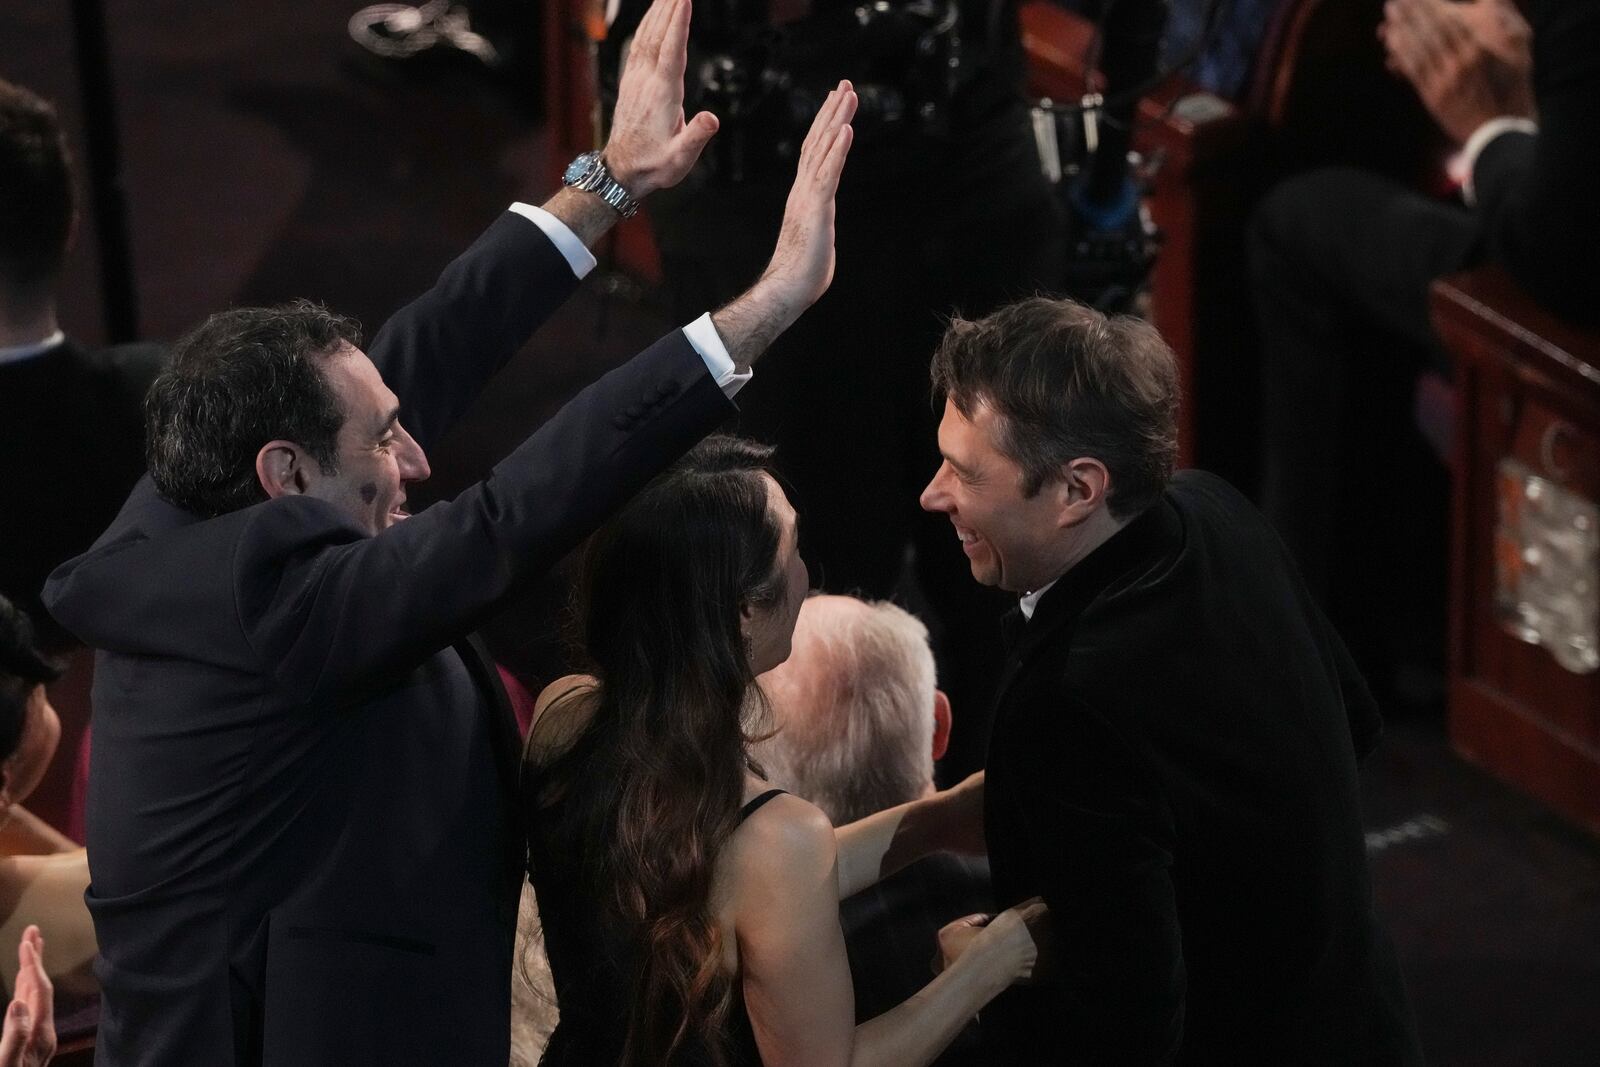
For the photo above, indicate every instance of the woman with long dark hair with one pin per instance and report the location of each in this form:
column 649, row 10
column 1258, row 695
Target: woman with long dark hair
column 690, row 912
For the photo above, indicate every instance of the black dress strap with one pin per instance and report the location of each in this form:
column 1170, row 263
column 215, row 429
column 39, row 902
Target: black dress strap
column 750, row 808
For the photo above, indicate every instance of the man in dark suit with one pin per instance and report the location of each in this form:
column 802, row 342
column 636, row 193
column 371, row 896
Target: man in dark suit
column 1173, row 764
column 71, row 417
column 859, row 724
column 1341, row 259
column 302, row 833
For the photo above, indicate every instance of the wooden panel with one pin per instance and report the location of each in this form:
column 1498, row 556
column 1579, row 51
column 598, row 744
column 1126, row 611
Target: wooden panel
column 1530, row 391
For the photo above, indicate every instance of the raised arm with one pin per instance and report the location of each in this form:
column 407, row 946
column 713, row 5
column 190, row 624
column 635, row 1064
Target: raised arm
column 651, row 147
column 439, row 351
column 802, row 264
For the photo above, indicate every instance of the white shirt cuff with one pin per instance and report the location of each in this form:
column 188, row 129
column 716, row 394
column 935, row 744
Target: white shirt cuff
column 703, row 339
column 1467, row 161
column 579, row 258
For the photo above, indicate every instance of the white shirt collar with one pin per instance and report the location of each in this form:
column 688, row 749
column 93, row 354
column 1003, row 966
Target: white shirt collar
column 18, row 353
column 1030, row 601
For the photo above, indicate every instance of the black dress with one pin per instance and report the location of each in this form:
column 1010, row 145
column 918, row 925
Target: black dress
column 585, row 954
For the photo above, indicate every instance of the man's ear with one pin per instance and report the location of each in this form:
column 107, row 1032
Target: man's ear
column 941, row 724
column 1081, row 490
column 281, row 469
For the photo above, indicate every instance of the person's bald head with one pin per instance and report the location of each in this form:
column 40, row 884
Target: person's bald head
column 859, row 718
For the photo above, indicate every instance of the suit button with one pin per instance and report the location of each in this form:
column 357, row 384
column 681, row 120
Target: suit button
column 634, row 411
column 622, row 422
column 666, row 389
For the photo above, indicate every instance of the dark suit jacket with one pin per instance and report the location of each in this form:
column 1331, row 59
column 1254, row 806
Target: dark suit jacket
column 71, row 446
column 1173, row 768
column 302, row 835
column 891, row 932
column 1536, row 193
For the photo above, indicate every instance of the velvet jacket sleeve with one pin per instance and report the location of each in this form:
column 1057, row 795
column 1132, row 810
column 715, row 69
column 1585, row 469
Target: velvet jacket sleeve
column 1106, row 880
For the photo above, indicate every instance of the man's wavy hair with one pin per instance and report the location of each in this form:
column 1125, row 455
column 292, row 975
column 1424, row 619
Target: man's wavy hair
column 36, row 195
column 242, row 378
column 1069, row 383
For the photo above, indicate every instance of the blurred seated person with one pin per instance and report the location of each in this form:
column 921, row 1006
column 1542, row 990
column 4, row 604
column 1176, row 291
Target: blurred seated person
column 29, row 1035
column 1342, row 260
column 42, row 874
column 858, row 725
column 690, row 910
column 71, row 417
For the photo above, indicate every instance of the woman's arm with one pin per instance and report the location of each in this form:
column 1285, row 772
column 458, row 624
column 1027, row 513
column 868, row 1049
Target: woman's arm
column 796, row 975
column 873, row 848
column 25, row 834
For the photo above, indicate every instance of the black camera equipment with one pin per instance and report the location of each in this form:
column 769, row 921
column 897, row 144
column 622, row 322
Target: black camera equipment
column 765, row 82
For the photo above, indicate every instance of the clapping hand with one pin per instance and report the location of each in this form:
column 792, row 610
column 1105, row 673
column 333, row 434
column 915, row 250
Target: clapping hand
column 1469, row 61
column 651, row 146
column 29, row 1037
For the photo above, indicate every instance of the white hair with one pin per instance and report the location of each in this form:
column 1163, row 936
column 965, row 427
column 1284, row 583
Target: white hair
column 853, row 708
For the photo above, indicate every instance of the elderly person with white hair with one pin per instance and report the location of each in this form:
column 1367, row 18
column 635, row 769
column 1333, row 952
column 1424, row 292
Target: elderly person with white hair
column 859, row 722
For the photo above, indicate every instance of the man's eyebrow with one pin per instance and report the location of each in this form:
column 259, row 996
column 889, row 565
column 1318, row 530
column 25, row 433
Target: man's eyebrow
column 388, row 423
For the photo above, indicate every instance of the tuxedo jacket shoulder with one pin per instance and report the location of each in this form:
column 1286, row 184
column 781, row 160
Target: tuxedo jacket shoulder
column 302, row 835
column 1173, row 767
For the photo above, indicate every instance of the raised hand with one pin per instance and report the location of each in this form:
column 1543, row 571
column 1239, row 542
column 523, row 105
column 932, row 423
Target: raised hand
column 802, row 264
column 1469, row 62
column 29, row 1036
column 804, row 257
column 651, row 146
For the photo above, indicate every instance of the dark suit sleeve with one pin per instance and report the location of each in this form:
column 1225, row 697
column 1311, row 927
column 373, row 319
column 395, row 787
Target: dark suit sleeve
column 331, row 611
column 439, row 351
column 1536, row 193
column 1108, row 886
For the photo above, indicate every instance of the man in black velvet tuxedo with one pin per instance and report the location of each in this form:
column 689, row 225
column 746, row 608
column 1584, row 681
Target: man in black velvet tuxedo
column 303, row 838
column 1173, row 763
column 71, row 417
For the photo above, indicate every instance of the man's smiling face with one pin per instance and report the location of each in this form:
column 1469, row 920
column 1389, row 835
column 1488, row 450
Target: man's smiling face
column 377, row 457
column 1011, row 540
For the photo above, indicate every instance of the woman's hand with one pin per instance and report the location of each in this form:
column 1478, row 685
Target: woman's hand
column 1008, row 942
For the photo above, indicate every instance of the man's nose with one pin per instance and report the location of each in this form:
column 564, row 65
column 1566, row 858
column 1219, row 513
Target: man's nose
column 934, row 497
column 413, row 460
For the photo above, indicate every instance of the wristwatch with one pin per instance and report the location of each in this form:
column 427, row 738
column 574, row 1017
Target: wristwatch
column 588, row 172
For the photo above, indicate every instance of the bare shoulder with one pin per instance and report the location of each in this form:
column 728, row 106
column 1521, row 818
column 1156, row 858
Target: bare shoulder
column 786, row 841
column 560, row 713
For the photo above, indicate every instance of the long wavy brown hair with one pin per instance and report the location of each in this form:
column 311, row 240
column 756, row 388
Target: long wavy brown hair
column 651, row 790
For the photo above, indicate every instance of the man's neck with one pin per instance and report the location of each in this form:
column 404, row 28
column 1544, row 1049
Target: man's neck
column 1089, row 535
